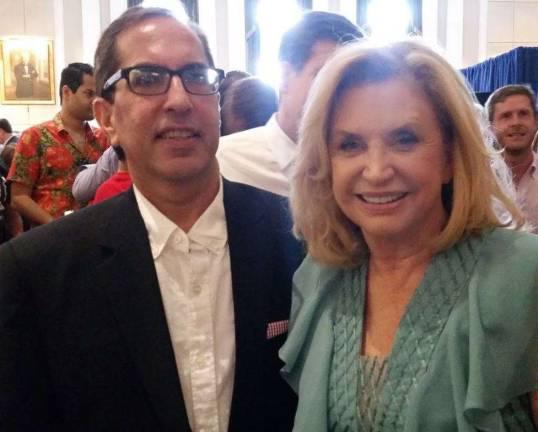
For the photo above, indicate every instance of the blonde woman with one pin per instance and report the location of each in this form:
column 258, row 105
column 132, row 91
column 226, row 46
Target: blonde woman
column 417, row 307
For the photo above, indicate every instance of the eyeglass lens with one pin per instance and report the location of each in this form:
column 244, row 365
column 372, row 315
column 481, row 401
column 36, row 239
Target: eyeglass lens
column 152, row 80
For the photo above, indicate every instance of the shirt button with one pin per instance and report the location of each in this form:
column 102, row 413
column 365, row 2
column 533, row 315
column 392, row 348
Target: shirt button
column 197, row 288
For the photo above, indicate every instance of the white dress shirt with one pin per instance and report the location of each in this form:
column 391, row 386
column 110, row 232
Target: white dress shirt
column 195, row 280
column 262, row 157
column 527, row 194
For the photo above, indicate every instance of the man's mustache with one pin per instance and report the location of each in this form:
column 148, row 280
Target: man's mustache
column 517, row 129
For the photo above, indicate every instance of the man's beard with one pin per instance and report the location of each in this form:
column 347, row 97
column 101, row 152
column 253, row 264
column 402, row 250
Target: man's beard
column 516, row 151
column 85, row 115
column 519, row 149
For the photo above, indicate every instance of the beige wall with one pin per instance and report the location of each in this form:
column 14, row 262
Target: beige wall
column 73, row 37
column 511, row 24
column 468, row 31
column 27, row 18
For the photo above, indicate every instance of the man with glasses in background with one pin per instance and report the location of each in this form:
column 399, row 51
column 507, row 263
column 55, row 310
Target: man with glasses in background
column 163, row 308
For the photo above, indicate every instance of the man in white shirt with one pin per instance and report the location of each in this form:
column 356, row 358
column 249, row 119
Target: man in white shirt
column 264, row 156
column 512, row 113
column 161, row 309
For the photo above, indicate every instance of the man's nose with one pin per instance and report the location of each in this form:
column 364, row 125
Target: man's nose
column 177, row 96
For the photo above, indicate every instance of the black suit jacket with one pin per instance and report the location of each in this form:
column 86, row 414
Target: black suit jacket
column 84, row 343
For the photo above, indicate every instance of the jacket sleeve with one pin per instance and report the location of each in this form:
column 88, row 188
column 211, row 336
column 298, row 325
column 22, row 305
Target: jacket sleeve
column 25, row 402
column 89, row 179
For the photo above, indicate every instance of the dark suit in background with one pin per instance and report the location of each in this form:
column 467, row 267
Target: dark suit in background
column 84, row 343
column 25, row 74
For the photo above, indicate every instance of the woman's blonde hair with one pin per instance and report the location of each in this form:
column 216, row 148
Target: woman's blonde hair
column 469, row 199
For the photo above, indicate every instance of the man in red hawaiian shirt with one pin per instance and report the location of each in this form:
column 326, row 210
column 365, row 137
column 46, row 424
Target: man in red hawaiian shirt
column 48, row 155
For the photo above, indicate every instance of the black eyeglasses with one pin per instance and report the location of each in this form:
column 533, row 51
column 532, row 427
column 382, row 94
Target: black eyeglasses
column 150, row 80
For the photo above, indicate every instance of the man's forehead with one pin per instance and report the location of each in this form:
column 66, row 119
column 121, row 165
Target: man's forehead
column 88, row 80
column 154, row 37
column 515, row 101
column 321, row 51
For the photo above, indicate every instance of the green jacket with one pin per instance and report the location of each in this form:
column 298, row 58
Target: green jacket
column 465, row 354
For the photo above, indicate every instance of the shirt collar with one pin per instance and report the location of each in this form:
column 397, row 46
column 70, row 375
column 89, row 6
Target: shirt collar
column 57, row 120
column 534, row 164
column 209, row 231
column 284, row 149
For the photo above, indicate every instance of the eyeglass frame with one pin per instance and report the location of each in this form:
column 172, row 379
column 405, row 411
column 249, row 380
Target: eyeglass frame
column 123, row 73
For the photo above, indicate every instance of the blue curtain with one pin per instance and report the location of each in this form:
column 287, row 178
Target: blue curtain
column 518, row 66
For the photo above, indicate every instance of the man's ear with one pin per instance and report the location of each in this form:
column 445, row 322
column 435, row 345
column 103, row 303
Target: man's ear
column 288, row 72
column 103, row 112
column 66, row 92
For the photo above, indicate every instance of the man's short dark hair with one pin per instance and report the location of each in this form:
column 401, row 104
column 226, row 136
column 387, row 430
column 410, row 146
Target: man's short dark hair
column 106, row 56
column 120, row 153
column 501, row 94
column 297, row 42
column 5, row 125
column 230, row 78
column 73, row 76
column 252, row 101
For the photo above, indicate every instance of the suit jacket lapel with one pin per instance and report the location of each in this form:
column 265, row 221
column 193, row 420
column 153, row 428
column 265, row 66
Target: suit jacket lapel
column 250, row 254
column 129, row 280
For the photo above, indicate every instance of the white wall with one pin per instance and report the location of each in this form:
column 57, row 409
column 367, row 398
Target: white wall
column 27, row 18
column 468, row 31
column 458, row 27
column 511, row 24
column 74, row 40
column 471, row 31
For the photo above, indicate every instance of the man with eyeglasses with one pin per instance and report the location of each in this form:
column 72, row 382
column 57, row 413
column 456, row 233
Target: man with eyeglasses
column 163, row 308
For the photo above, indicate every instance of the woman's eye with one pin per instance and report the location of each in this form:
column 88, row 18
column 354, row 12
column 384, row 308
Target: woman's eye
column 406, row 139
column 350, row 145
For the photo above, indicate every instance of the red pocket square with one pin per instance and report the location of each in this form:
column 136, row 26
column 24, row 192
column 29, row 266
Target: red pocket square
column 276, row 328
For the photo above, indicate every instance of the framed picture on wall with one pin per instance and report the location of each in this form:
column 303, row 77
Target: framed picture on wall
column 27, row 71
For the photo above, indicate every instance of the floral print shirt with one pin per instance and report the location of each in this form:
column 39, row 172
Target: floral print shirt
column 47, row 160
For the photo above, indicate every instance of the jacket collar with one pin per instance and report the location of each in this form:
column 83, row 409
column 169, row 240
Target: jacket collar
column 136, row 303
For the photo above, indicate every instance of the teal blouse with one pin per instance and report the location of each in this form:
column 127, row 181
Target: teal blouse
column 464, row 357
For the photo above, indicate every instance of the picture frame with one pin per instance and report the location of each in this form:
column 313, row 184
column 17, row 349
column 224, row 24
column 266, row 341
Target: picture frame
column 27, row 66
